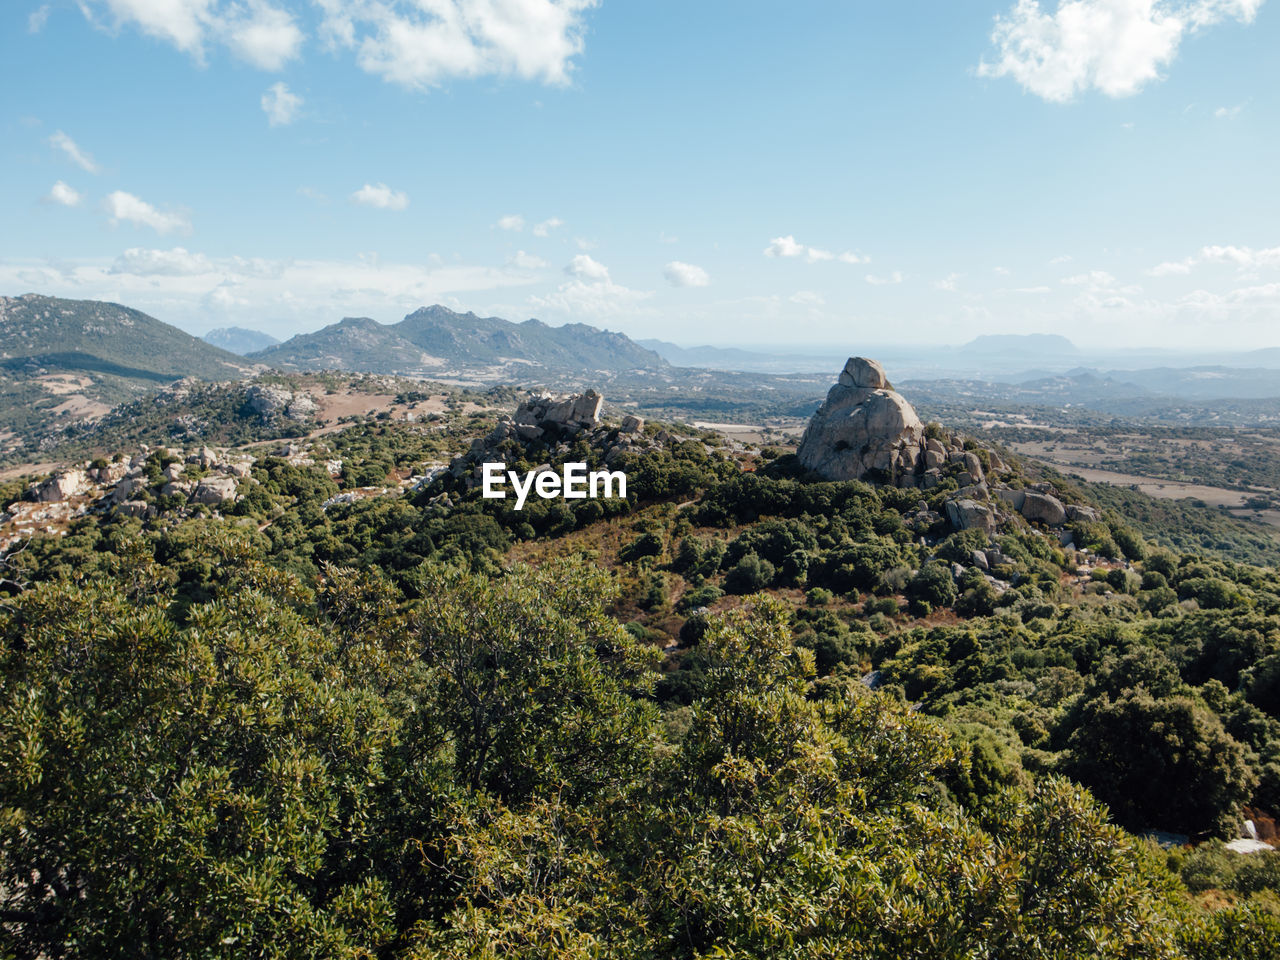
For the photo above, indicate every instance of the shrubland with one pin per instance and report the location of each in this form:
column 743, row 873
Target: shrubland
column 740, row 713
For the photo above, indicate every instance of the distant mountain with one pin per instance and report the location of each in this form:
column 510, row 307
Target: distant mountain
column 720, row 358
column 1020, row 345
column 354, row 344
column 238, row 340
column 436, row 341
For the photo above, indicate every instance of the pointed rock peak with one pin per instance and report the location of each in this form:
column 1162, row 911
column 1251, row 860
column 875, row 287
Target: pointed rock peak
column 864, row 374
column 437, row 311
column 864, row 430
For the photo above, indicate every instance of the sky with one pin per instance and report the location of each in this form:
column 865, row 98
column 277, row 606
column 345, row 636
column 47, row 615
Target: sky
column 746, row 172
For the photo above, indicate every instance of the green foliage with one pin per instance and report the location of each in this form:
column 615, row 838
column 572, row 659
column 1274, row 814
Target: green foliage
column 1164, row 762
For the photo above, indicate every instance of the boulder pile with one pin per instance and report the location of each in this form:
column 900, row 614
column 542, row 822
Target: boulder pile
column 557, row 422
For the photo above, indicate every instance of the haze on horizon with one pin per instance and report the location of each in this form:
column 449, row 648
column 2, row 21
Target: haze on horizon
column 714, row 173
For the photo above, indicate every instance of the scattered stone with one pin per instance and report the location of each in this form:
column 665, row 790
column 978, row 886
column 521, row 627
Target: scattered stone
column 632, row 424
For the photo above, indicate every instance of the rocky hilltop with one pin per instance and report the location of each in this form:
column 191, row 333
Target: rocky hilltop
column 866, row 430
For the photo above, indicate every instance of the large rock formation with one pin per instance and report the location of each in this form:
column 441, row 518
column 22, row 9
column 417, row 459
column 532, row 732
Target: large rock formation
column 865, row 429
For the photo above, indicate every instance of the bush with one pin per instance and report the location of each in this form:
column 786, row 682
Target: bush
column 750, row 575
column 701, row 597
column 932, row 584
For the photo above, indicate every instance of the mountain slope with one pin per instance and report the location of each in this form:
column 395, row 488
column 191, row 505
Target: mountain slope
column 437, row 339
column 353, row 343
column 97, row 337
column 66, row 362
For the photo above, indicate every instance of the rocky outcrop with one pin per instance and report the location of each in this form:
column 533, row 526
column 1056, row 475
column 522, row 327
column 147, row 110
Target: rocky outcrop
column 556, row 422
column 967, row 514
column 214, row 490
column 581, row 410
column 60, row 487
column 270, row 402
column 1045, row 508
column 864, row 430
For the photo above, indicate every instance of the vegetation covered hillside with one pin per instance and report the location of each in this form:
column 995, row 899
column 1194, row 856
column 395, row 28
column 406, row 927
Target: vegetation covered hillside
column 354, row 709
column 65, row 363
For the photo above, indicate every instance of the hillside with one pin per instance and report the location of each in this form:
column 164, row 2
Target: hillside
column 65, row 362
column 743, row 709
column 440, row 341
column 352, row 344
column 89, row 336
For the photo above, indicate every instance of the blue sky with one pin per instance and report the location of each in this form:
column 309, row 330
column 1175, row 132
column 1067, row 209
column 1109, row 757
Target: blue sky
column 747, row 172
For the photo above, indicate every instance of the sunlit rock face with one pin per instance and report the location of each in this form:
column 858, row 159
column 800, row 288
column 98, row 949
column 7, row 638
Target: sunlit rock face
column 864, row 430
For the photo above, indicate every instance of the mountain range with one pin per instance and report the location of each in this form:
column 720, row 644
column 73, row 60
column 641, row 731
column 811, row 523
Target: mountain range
column 437, row 341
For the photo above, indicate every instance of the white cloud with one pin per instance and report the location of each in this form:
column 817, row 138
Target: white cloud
column 37, row 18
column 74, row 153
column 126, row 207
column 381, row 196
column 788, row 247
column 1064, row 258
column 685, row 275
column 886, row 280
column 1095, row 278
column 1114, row 46
column 177, row 262
column 784, row 247
column 280, row 105
column 544, row 228
column 585, row 268
column 262, row 35
column 589, row 292
column 422, row 43
column 1170, row 269
column 1245, row 258
column 948, row 283
column 513, row 222
column 1228, row 113
column 807, row 298
column 311, row 193
column 526, row 261
column 663, row 237
column 181, row 286
column 66, row 195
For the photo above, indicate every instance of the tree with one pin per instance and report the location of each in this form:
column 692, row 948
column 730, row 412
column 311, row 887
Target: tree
column 537, row 686
column 1163, row 763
